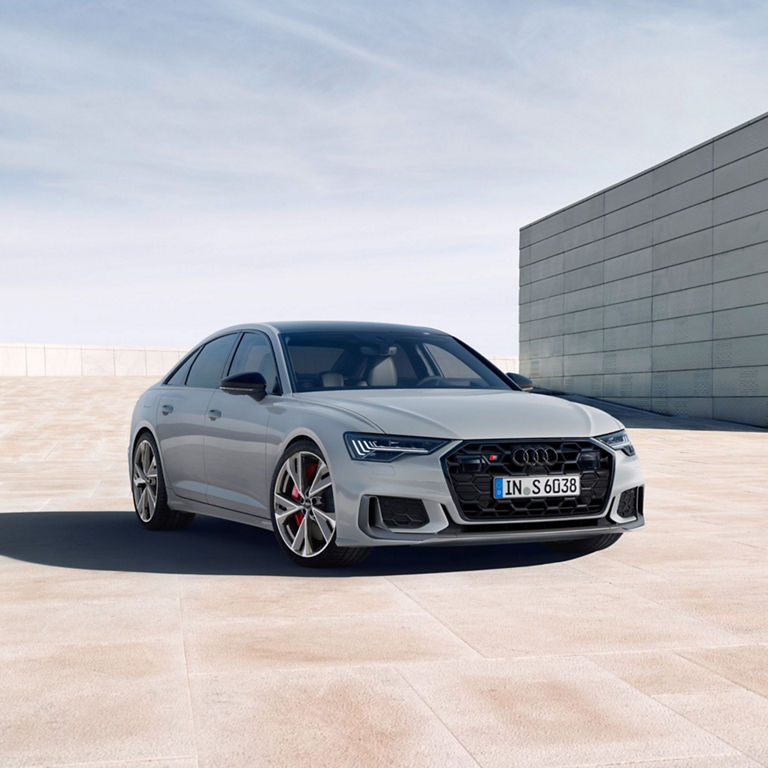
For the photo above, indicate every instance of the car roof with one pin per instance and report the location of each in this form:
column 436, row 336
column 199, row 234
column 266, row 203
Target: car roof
column 329, row 326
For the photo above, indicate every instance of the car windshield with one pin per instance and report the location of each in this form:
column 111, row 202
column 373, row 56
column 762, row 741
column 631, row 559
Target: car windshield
column 384, row 360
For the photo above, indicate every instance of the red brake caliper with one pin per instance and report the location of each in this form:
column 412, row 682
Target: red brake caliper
column 309, row 473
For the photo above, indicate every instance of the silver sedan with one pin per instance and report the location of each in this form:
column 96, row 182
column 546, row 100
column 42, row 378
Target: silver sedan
column 344, row 436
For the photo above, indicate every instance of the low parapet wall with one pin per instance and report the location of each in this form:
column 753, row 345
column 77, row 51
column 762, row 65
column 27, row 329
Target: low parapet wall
column 71, row 360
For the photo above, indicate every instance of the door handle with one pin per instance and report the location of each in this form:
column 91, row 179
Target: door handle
column 166, row 409
column 213, row 414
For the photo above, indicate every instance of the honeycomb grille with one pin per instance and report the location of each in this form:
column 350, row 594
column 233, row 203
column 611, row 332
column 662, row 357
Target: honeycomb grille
column 399, row 512
column 470, row 473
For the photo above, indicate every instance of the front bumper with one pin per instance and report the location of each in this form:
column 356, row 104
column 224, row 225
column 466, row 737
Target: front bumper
column 360, row 522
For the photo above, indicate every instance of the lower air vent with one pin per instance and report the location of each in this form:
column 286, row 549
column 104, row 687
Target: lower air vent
column 399, row 512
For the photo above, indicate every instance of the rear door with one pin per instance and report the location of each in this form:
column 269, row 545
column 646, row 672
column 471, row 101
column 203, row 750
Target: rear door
column 237, row 432
column 181, row 416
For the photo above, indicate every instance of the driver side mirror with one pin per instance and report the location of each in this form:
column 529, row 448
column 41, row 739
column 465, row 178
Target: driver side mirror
column 522, row 381
column 251, row 383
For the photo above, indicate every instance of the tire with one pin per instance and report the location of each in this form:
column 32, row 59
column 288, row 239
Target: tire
column 150, row 499
column 303, row 513
column 583, row 546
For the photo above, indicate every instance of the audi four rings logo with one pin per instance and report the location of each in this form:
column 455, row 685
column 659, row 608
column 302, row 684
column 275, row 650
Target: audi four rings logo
column 526, row 457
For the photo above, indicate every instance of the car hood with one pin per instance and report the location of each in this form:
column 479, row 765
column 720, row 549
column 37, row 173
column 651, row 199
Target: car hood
column 468, row 414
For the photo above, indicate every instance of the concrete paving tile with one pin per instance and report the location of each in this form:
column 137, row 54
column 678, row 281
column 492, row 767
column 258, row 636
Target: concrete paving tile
column 710, row 761
column 166, row 762
column 501, row 622
column 554, row 712
column 319, row 717
column 745, row 665
column 241, row 646
column 93, row 703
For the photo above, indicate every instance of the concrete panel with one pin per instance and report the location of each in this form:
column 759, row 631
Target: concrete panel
column 628, row 289
column 524, row 294
column 745, row 261
column 586, row 341
column 682, row 249
column 545, row 366
column 742, row 172
column 583, row 299
column 627, row 361
column 555, row 383
column 635, row 402
column 541, row 328
column 674, row 172
column 753, row 410
column 745, row 141
column 590, row 363
column 629, row 264
column 543, row 289
column 525, row 255
column 743, row 321
column 63, row 361
column 13, row 360
column 160, row 361
column 98, row 362
column 692, row 301
column 684, row 407
column 525, row 237
column 678, row 330
column 628, row 217
column 546, row 248
column 583, row 320
column 544, row 268
column 583, row 234
column 584, row 385
column 130, row 362
column 682, row 383
column 629, row 240
column 741, row 292
column 628, row 336
column 683, row 195
column 681, row 276
column 545, row 228
column 584, row 277
column 749, row 351
column 585, row 254
column 35, row 359
column 545, row 308
column 548, row 347
column 588, row 209
column 740, row 203
column 627, row 385
column 628, row 313
column 629, row 192
column 680, row 357
column 742, row 232
column 740, row 382
column 683, row 222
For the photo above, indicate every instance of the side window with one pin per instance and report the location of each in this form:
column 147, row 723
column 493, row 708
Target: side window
column 254, row 355
column 179, row 376
column 450, row 365
column 208, row 368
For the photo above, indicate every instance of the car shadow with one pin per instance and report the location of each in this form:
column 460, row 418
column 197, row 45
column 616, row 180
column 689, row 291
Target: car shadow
column 113, row 541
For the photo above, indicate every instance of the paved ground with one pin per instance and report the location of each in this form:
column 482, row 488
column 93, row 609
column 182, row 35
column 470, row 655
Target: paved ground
column 120, row 647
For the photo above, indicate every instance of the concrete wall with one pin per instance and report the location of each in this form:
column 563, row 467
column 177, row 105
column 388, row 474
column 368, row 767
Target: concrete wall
column 654, row 292
column 62, row 360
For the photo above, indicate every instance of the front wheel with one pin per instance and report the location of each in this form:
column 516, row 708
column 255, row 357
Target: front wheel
column 303, row 511
column 583, row 546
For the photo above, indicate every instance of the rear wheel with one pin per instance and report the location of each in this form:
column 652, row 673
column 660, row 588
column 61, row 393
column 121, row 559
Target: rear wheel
column 303, row 511
column 148, row 489
column 583, row 546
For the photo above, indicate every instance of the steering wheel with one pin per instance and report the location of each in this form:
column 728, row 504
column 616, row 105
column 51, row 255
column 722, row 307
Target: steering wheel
column 427, row 380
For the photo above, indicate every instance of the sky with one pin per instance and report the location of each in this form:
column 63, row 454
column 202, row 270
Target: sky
column 171, row 168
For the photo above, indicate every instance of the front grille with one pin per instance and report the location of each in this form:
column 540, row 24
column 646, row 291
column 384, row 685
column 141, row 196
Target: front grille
column 470, row 474
column 399, row 512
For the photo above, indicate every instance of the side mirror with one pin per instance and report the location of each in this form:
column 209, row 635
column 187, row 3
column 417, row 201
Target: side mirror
column 522, row 381
column 251, row 383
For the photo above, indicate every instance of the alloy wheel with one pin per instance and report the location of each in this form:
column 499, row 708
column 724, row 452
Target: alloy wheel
column 303, row 503
column 145, row 480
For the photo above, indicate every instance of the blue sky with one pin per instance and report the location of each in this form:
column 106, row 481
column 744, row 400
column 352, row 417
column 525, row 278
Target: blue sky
column 167, row 169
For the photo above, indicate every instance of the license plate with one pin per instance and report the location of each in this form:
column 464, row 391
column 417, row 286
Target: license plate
column 533, row 487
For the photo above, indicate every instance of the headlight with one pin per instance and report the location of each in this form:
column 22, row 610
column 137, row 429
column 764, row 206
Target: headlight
column 619, row 441
column 364, row 447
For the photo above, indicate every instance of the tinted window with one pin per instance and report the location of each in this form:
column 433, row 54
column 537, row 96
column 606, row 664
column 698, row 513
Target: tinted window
column 254, row 354
column 180, row 374
column 208, row 368
column 339, row 360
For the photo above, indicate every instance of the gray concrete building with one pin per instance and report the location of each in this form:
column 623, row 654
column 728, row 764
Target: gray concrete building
column 654, row 291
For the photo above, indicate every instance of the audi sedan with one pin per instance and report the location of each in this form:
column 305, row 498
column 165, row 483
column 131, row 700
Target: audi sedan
column 340, row 437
